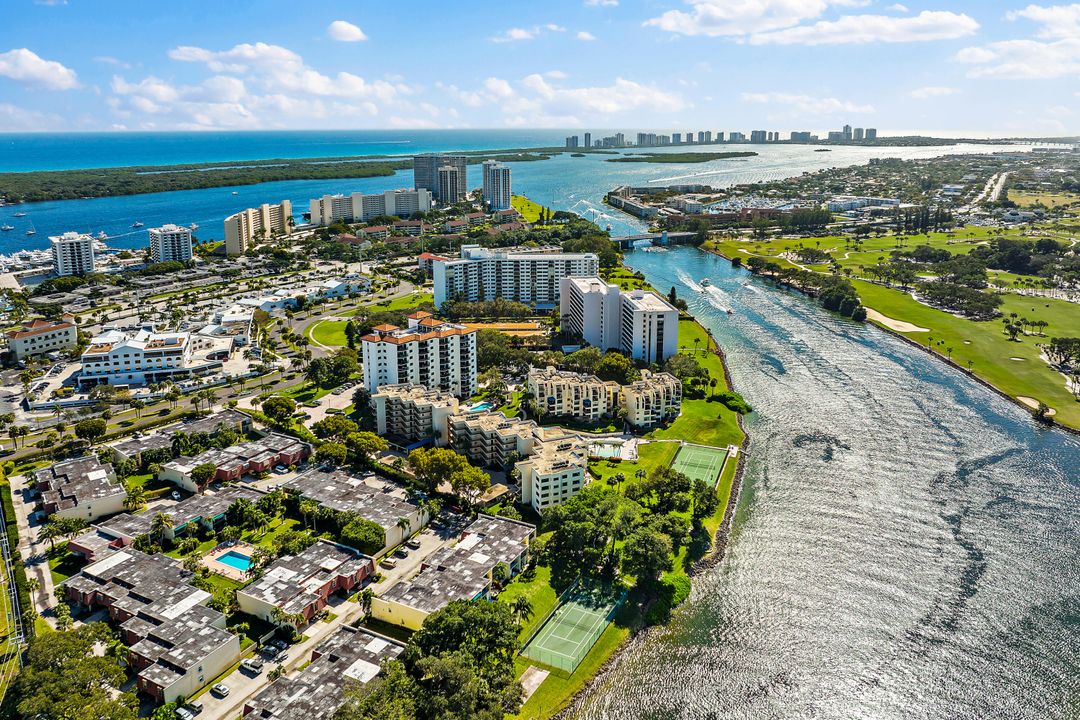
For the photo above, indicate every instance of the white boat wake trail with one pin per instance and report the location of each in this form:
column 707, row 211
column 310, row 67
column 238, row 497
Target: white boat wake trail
column 688, row 281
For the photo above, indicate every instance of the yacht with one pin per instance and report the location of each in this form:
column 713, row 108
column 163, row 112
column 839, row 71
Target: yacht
column 19, row 214
column 5, row 228
column 31, row 231
column 136, row 224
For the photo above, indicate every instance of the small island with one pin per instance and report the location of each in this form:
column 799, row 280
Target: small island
column 686, row 157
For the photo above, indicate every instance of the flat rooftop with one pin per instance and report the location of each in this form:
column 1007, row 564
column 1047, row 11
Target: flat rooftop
column 349, row 655
column 367, row 495
column 461, row 572
column 291, row 582
column 77, row 481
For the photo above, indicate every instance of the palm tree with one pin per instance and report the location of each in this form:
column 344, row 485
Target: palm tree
column 365, row 600
column 522, row 608
column 159, row 525
column 51, row 532
column 308, row 508
column 135, row 499
column 403, row 524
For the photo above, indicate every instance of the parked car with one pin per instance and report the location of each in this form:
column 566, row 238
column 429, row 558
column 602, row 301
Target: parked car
column 270, row 651
column 279, row 644
column 388, row 563
column 251, row 665
column 175, row 495
column 184, row 714
column 412, row 544
column 220, row 690
column 401, row 553
column 194, row 707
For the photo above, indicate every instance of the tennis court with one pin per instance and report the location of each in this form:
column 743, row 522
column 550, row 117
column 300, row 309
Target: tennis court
column 568, row 635
column 700, row 462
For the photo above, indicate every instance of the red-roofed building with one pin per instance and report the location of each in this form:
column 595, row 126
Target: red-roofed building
column 39, row 337
column 436, row 354
column 424, row 261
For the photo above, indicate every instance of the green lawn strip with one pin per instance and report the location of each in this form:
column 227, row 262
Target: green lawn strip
column 559, row 688
column 990, row 350
column 328, row 332
column 650, row 456
column 512, row 408
column 529, row 210
column 404, row 302
column 63, row 564
column 538, row 592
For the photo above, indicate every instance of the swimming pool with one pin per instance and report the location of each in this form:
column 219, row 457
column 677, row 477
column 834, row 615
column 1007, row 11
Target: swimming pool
column 480, row 407
column 606, row 450
column 236, row 560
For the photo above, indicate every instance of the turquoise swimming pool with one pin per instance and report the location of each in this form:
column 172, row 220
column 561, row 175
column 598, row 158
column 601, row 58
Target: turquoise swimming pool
column 237, row 560
column 480, row 407
column 605, row 450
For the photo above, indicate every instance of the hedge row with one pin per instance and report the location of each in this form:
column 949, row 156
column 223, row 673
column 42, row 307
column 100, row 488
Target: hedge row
column 11, row 529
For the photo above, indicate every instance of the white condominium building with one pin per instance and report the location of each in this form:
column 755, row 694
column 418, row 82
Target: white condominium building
column 73, row 253
column 531, row 277
column 117, row 358
column 413, row 412
column 568, row 394
column 430, row 352
column 253, row 224
column 497, row 189
column 170, row 243
column 491, row 439
column 555, row 471
column 655, row 398
column 360, row 207
column 639, row 323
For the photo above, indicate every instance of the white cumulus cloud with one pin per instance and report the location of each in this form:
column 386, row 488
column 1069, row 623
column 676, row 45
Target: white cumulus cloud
column 807, row 104
column 343, row 31
column 932, row 91
column 602, row 3
column 26, row 67
column 717, row 18
column 1055, row 52
column 585, row 35
column 927, row 25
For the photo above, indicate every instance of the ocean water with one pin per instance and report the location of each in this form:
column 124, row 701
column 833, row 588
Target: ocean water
column 907, row 544
column 562, row 183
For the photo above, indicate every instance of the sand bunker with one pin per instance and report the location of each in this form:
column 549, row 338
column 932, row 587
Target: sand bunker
column 897, row 325
column 1034, row 404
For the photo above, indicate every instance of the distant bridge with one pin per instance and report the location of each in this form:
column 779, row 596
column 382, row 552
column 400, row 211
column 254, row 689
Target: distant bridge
column 626, row 242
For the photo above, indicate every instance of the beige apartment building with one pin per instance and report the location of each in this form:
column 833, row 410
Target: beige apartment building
column 40, row 337
column 654, row 398
column 586, row 398
column 409, row 413
column 261, row 223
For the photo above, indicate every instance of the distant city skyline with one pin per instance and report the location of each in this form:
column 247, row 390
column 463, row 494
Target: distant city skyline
column 943, row 68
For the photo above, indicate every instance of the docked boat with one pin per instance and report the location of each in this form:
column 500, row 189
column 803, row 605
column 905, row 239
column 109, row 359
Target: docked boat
column 136, row 224
column 5, row 228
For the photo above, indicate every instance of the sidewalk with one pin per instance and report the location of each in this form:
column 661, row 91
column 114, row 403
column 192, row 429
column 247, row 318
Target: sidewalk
column 31, row 550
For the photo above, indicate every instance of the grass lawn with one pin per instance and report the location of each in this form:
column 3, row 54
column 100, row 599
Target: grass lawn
column 529, row 210
column 257, row 627
column 146, row 481
column 650, row 457
column 987, row 347
column 327, row 332
column 1025, row 198
column 512, row 408
column 305, row 392
column 63, row 564
column 624, row 278
column 402, row 303
column 538, row 592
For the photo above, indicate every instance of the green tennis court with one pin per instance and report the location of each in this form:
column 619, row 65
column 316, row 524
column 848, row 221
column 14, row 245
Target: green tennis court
column 699, row 462
column 569, row 634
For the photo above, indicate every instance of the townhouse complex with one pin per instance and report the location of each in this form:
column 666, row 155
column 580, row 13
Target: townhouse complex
column 433, row 353
column 234, row 462
column 530, row 276
column 82, row 488
column 176, row 644
column 637, row 322
column 461, row 572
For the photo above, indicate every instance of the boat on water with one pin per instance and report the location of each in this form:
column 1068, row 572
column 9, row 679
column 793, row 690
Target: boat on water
column 102, row 236
column 136, row 224
column 31, row 231
column 19, row 214
column 5, row 228
column 193, row 227
column 234, row 192
column 705, row 282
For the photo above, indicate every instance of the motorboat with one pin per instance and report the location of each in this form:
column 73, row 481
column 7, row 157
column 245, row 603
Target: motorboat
column 136, row 224
column 193, row 227
column 5, row 228
column 102, row 236
column 19, row 214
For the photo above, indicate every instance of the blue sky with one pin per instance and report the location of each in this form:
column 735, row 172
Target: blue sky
column 944, row 66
